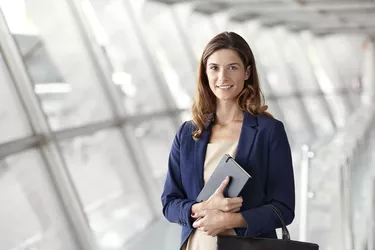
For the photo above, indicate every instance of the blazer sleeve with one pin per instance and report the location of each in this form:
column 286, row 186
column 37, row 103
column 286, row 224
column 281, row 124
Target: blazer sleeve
column 279, row 187
column 176, row 206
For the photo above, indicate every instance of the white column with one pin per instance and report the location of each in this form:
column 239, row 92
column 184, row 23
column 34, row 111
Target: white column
column 368, row 82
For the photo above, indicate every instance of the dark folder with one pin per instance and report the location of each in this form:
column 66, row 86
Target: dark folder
column 226, row 242
column 226, row 167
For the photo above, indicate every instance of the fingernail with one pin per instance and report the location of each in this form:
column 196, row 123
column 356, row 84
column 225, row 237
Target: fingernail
column 193, row 214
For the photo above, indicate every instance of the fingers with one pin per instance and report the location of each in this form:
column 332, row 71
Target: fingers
column 231, row 204
column 199, row 214
column 236, row 200
column 203, row 229
column 222, row 186
column 197, row 223
column 236, row 207
column 212, row 233
column 234, row 210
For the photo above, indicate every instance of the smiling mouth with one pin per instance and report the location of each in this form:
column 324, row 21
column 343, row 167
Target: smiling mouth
column 224, row 86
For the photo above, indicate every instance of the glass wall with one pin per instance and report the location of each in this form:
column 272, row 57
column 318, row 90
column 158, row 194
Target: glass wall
column 106, row 182
column 31, row 214
column 62, row 90
column 100, row 89
column 13, row 120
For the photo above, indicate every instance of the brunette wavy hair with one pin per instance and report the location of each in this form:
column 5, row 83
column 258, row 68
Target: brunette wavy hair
column 250, row 99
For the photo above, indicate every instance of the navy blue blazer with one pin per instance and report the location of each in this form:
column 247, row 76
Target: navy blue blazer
column 263, row 151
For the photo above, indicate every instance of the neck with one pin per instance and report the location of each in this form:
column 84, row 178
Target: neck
column 226, row 112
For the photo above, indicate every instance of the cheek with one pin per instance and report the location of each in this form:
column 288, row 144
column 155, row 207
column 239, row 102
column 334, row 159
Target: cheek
column 211, row 79
column 241, row 79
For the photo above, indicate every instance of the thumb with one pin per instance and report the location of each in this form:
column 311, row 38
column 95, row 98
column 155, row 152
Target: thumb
column 222, row 186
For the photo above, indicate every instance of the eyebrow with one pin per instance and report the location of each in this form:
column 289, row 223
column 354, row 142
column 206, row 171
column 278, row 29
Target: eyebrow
column 215, row 64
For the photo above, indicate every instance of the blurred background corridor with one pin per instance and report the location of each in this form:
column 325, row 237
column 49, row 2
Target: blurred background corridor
column 92, row 93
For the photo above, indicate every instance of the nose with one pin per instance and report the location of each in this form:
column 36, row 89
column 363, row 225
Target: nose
column 222, row 75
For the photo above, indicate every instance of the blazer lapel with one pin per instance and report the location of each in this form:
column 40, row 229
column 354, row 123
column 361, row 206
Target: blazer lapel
column 246, row 141
column 200, row 155
column 247, row 136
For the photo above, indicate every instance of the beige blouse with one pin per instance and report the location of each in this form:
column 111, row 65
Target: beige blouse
column 199, row 240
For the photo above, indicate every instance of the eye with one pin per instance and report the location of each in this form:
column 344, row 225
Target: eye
column 214, row 67
column 232, row 67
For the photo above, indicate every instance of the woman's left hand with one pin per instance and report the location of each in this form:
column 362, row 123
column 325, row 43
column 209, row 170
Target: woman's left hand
column 213, row 222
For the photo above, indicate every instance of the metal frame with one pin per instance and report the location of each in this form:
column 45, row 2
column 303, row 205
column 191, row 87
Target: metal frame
column 51, row 154
column 292, row 79
column 371, row 233
column 19, row 145
column 319, row 92
column 186, row 42
column 244, row 10
column 324, row 51
column 269, row 8
column 104, row 70
column 152, row 63
column 368, row 94
column 48, row 140
column 304, row 190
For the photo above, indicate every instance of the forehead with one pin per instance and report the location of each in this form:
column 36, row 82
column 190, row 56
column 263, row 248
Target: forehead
column 224, row 56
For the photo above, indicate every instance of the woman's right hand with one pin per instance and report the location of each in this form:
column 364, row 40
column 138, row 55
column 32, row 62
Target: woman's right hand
column 218, row 201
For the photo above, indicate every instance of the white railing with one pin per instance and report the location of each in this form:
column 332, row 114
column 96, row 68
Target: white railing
column 327, row 174
column 369, row 242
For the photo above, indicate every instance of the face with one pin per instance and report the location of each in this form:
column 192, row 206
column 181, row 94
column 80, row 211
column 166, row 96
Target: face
column 226, row 74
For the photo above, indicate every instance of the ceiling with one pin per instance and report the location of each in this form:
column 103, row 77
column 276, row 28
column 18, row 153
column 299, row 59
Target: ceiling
column 319, row 16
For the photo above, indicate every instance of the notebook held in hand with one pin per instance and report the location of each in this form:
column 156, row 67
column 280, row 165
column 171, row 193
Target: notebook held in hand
column 226, row 167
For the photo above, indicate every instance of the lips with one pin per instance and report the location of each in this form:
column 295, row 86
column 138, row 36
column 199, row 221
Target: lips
column 224, row 86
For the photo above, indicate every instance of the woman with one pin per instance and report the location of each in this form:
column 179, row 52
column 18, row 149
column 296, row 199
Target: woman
column 228, row 117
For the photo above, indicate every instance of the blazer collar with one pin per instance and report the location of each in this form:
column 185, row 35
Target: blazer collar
column 247, row 138
column 245, row 143
column 249, row 120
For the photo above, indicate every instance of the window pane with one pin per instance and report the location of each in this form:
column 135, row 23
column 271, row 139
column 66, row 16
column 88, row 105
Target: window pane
column 185, row 115
column 339, row 108
column 263, row 80
column 13, row 120
column 274, row 109
column 198, row 22
column 175, row 55
column 269, row 56
column 294, row 120
column 296, row 59
column 30, row 214
column 319, row 115
column 135, row 74
column 108, row 186
column 76, row 98
column 156, row 137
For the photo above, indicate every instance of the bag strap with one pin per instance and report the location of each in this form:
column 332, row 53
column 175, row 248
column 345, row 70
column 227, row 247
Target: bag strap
column 285, row 232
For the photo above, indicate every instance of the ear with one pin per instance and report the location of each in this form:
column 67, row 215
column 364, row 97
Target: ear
column 247, row 72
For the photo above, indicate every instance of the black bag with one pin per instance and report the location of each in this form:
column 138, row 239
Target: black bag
column 254, row 243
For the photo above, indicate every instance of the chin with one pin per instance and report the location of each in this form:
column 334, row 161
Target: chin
column 226, row 98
